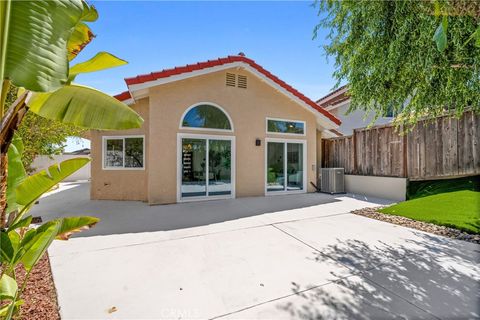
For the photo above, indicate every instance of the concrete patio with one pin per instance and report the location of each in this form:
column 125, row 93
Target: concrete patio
column 282, row 257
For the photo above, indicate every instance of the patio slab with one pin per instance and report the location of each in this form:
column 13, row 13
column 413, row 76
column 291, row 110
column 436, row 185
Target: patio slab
column 350, row 298
column 198, row 277
column 310, row 259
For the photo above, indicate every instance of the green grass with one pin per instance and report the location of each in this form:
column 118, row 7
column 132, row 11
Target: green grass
column 456, row 209
column 418, row 189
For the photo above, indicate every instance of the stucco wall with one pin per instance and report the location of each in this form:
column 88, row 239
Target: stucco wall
column 355, row 119
column 248, row 109
column 162, row 111
column 380, row 187
column 120, row 184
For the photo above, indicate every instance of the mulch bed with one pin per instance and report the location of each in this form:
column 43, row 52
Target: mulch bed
column 420, row 225
column 39, row 295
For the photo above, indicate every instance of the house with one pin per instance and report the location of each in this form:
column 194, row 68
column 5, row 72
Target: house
column 337, row 103
column 218, row 129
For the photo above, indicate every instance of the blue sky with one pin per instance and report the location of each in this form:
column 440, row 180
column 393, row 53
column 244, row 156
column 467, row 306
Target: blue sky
column 154, row 35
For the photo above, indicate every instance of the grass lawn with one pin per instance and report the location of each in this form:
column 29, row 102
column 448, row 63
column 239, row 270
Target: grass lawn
column 457, row 209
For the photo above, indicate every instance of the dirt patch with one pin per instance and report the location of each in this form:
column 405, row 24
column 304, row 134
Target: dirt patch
column 420, row 225
column 39, row 295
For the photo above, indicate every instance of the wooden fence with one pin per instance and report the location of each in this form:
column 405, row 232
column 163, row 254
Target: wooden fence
column 443, row 147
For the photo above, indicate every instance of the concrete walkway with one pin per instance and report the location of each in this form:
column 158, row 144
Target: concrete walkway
column 282, row 257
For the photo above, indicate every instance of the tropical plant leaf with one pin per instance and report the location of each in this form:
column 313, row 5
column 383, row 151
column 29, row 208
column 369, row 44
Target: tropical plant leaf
column 101, row 61
column 25, row 222
column 84, row 107
column 81, row 36
column 440, row 36
column 36, row 55
column 73, row 225
column 16, row 172
column 8, row 287
column 90, row 14
column 5, row 308
column 35, row 185
column 37, row 246
column 6, row 248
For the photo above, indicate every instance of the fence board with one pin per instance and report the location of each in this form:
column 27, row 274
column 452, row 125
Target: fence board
column 443, row 147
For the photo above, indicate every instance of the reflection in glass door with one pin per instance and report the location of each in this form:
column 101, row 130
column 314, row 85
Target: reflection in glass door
column 194, row 164
column 201, row 156
column 285, row 167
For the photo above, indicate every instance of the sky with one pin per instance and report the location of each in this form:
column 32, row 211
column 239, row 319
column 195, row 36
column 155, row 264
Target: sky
column 154, row 35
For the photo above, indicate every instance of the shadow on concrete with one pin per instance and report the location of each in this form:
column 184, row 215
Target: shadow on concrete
column 119, row 217
column 433, row 278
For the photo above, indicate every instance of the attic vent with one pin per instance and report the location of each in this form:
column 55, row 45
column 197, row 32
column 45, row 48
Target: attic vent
column 242, row 82
column 230, row 80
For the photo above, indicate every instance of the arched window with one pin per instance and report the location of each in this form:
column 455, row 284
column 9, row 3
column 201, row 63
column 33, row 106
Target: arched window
column 206, row 116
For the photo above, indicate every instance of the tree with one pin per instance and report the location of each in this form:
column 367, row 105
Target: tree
column 38, row 39
column 41, row 136
column 419, row 58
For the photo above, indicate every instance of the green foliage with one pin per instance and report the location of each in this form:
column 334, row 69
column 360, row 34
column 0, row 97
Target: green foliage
column 457, row 209
column 412, row 56
column 419, row 189
column 101, row 61
column 43, row 136
column 17, row 173
column 32, row 187
column 36, row 56
column 84, row 107
column 38, row 39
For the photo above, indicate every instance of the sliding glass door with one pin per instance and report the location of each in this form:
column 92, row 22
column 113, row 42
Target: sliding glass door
column 285, row 166
column 206, row 167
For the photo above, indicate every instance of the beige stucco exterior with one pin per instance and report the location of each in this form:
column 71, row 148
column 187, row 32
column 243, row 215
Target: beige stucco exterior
column 162, row 110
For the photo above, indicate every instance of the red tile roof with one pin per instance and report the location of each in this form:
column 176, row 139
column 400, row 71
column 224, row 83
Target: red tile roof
column 221, row 61
column 125, row 95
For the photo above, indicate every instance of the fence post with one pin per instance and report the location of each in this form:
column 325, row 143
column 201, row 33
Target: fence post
column 354, row 138
column 405, row 151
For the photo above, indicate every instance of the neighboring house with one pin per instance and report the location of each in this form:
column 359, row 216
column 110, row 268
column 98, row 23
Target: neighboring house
column 218, row 129
column 43, row 162
column 337, row 102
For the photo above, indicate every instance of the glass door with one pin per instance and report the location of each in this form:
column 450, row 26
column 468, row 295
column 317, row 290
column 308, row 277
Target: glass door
column 194, row 165
column 206, row 167
column 285, row 167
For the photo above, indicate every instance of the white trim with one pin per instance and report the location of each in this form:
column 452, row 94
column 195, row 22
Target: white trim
column 285, row 142
column 322, row 119
column 335, row 106
column 286, row 133
column 104, row 149
column 205, row 137
column 331, row 96
column 181, row 127
column 129, row 101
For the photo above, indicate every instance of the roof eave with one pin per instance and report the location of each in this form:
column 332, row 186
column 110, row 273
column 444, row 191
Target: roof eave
column 322, row 120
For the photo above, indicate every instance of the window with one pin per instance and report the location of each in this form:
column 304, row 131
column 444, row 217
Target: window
column 206, row 116
column 285, row 126
column 123, row 152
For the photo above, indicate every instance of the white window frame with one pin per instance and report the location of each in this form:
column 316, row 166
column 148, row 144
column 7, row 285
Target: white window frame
column 286, row 133
column 206, row 129
column 104, row 150
column 285, row 141
column 181, row 136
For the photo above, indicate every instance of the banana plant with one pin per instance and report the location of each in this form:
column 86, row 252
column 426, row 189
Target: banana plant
column 38, row 41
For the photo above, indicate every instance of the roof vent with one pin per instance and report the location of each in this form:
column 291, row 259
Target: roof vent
column 230, row 79
column 242, row 82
